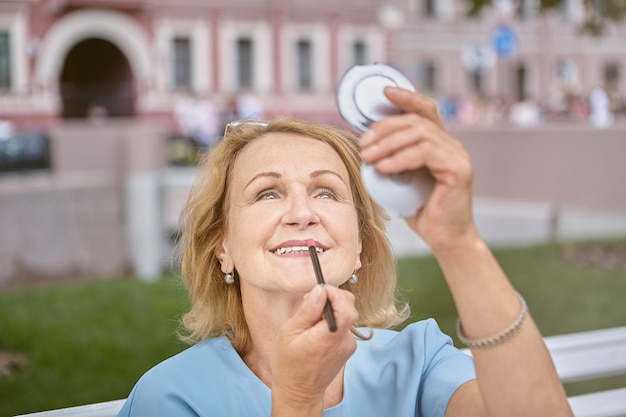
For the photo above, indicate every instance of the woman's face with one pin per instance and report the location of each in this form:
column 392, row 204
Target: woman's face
column 285, row 189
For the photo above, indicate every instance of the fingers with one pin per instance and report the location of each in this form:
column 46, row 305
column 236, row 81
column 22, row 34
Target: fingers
column 419, row 112
column 396, row 134
column 306, row 355
column 411, row 140
column 408, row 142
column 342, row 301
column 310, row 314
column 416, row 139
column 414, row 103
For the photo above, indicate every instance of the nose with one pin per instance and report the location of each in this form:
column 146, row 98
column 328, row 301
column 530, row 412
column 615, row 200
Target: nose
column 300, row 210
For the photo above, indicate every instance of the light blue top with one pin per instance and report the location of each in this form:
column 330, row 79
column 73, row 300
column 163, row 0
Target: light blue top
column 413, row 372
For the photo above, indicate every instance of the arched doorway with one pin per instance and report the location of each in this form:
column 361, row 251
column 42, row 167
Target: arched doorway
column 97, row 77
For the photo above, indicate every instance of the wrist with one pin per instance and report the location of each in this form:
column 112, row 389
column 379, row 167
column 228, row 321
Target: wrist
column 470, row 266
column 462, row 245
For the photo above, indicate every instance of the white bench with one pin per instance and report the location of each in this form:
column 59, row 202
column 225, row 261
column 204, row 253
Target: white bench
column 591, row 355
column 577, row 356
column 105, row 409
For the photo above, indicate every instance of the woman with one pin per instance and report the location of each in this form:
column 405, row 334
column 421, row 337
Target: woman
column 264, row 345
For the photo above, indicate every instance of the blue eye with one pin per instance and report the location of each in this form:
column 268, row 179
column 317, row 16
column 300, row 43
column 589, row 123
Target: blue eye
column 327, row 193
column 267, row 195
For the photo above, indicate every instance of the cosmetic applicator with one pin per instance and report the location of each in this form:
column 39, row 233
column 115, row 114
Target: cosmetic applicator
column 328, row 308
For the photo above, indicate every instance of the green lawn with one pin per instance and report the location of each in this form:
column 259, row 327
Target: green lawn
column 89, row 342
column 85, row 342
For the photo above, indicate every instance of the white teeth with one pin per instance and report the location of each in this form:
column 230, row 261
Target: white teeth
column 296, row 249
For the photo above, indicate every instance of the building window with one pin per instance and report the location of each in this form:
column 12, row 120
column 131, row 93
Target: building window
column 5, row 61
column 566, row 73
column 477, row 80
column 305, row 64
column 526, row 9
column 181, row 65
column 244, row 63
column 429, row 9
column 359, row 53
column 521, row 76
column 611, row 75
column 428, row 77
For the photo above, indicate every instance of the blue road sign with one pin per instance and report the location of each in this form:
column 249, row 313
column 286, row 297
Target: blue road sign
column 504, row 41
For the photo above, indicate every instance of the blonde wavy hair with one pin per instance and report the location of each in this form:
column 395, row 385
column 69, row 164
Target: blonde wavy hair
column 216, row 307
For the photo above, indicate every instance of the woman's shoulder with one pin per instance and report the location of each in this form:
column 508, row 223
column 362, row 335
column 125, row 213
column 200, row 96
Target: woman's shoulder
column 419, row 363
column 179, row 384
column 417, row 343
column 423, row 332
column 206, row 358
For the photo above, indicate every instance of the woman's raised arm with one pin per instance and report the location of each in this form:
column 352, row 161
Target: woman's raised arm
column 515, row 373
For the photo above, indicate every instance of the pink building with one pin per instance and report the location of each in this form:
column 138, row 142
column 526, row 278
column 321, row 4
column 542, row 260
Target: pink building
column 67, row 58
column 74, row 58
column 108, row 205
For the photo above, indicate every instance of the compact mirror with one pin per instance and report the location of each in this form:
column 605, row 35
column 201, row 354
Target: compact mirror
column 361, row 101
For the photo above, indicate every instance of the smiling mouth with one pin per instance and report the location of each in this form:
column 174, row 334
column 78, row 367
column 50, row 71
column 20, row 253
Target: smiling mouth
column 296, row 250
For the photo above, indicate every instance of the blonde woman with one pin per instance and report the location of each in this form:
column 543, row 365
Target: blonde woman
column 262, row 341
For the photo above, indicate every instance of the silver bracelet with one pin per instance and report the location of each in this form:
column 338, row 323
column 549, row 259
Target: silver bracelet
column 499, row 338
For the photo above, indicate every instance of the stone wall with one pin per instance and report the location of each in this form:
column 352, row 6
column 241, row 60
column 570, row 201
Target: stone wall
column 570, row 165
column 108, row 204
column 73, row 222
column 56, row 228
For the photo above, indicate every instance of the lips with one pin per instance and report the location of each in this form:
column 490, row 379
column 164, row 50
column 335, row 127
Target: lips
column 295, row 247
column 295, row 250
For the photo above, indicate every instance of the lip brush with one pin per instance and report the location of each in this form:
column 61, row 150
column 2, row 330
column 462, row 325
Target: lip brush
column 328, row 308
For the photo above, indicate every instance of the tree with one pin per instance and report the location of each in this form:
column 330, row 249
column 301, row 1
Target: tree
column 598, row 13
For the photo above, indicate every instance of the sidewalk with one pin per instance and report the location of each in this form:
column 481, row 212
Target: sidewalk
column 502, row 222
column 509, row 223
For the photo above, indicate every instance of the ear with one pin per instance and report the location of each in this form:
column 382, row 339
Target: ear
column 358, row 254
column 221, row 252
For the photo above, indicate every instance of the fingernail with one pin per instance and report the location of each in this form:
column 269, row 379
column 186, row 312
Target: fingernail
column 384, row 163
column 315, row 294
column 367, row 137
column 369, row 152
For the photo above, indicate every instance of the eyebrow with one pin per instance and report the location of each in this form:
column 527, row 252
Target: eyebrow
column 315, row 174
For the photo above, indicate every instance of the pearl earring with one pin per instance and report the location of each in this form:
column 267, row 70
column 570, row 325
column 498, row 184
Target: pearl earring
column 353, row 278
column 229, row 279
